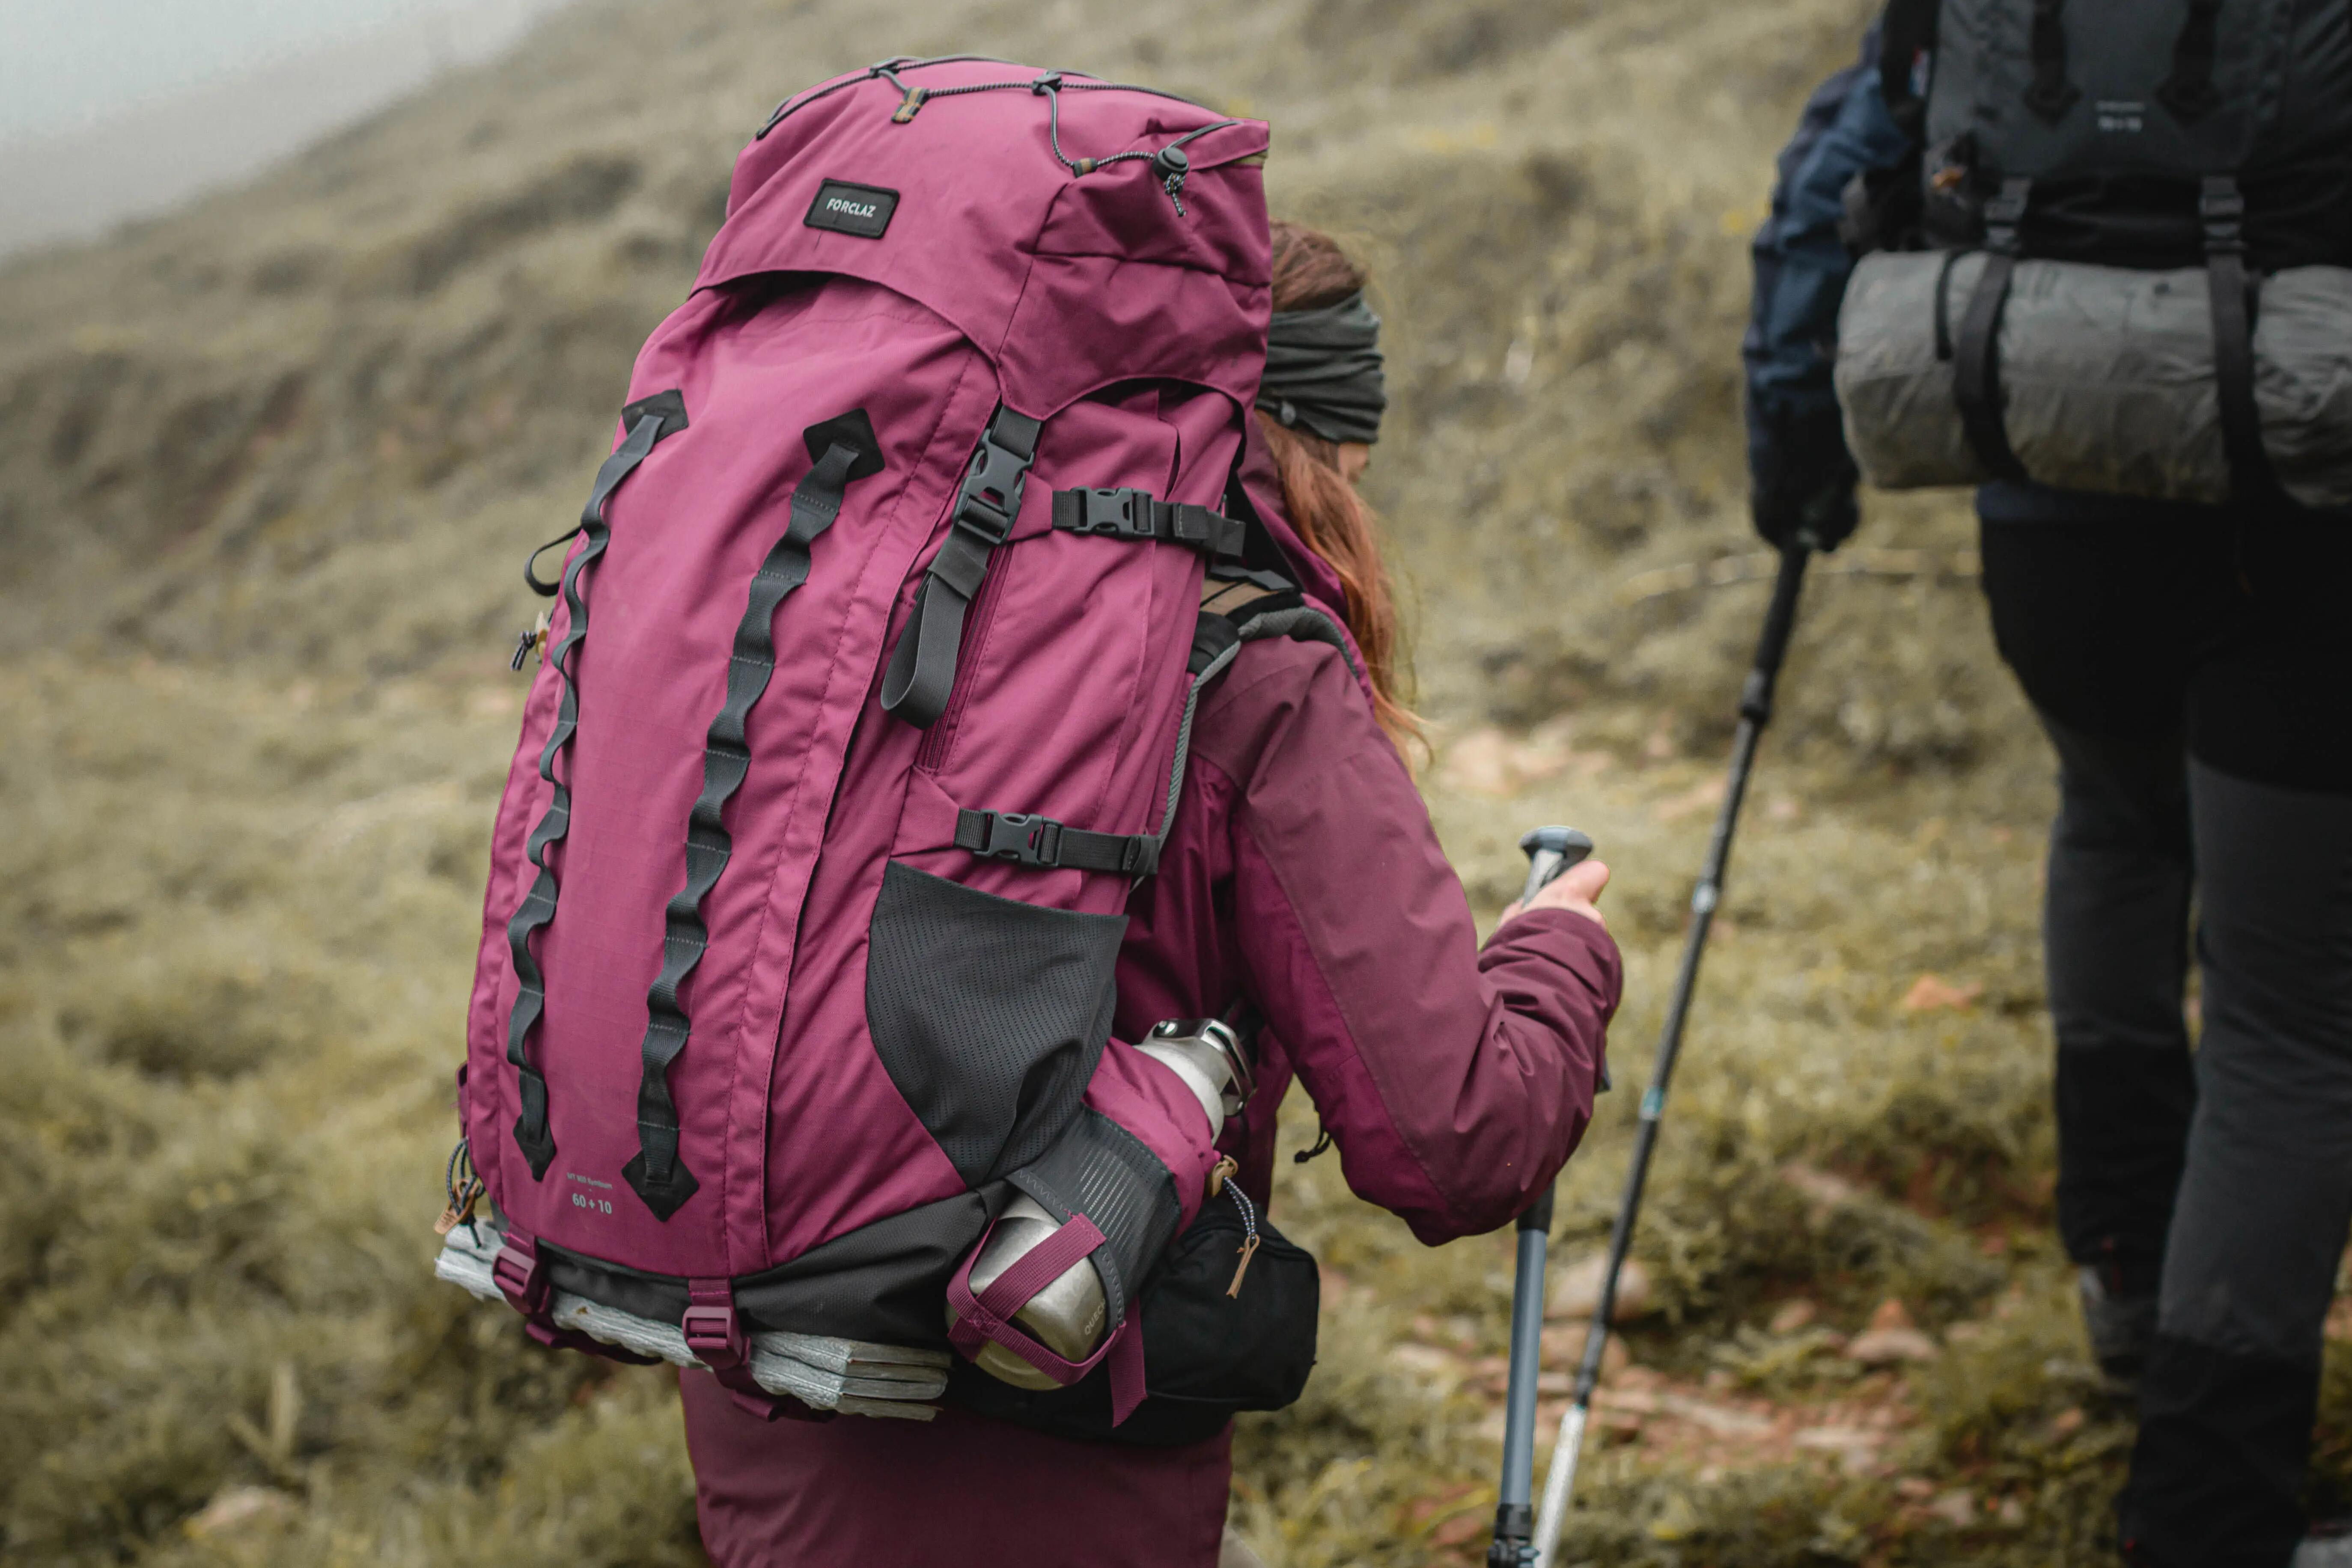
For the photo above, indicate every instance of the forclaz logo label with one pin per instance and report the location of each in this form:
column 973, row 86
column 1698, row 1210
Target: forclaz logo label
column 862, row 210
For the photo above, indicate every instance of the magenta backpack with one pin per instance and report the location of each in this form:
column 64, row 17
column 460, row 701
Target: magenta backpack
column 862, row 709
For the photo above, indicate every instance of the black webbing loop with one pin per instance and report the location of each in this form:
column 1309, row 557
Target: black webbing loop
column 1034, row 841
column 648, row 421
column 2222, row 210
column 1944, row 304
column 850, row 452
column 1976, row 369
column 923, row 665
column 1137, row 514
column 2050, row 95
column 2189, row 92
column 544, row 587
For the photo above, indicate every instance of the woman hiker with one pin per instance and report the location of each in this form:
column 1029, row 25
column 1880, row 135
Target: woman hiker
column 1302, row 876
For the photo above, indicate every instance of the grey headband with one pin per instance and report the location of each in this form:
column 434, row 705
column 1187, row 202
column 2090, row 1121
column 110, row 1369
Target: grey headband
column 1323, row 371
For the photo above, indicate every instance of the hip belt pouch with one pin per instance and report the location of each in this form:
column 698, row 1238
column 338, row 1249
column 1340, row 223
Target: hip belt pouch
column 2106, row 377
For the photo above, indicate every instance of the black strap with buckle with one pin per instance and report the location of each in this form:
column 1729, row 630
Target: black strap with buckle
column 1975, row 366
column 2220, row 212
column 1034, row 841
column 1137, row 514
column 923, row 665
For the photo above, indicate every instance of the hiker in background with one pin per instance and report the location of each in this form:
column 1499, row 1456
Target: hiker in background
column 2167, row 579
column 1302, row 873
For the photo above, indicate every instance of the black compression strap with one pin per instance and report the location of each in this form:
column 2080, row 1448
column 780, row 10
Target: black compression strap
column 2222, row 212
column 1035, row 840
column 1976, row 369
column 2188, row 94
column 2050, row 95
column 1944, row 305
column 1137, row 514
column 923, row 665
column 850, row 453
column 648, row 426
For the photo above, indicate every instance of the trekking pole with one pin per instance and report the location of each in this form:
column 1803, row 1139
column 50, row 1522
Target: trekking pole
column 1551, row 851
column 1754, row 712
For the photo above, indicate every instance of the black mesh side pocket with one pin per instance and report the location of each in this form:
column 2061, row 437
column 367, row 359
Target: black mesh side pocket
column 989, row 1015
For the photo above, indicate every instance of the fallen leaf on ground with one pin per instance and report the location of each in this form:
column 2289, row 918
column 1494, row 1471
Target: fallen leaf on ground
column 1704, row 795
column 1956, row 1508
column 1579, row 1290
column 1427, row 1362
column 1792, row 1316
column 1884, row 1347
column 237, row 1509
column 1854, row 1446
column 1564, row 1346
column 1932, row 991
column 1490, row 762
column 1825, row 1190
column 1891, row 1313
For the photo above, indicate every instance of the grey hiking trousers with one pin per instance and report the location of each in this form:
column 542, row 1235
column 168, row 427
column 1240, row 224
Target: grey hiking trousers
column 2194, row 672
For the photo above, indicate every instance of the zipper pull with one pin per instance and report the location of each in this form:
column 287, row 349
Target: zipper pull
column 906, row 110
column 533, row 640
column 1249, row 1236
column 466, row 1190
column 1249, row 1250
column 1220, row 1173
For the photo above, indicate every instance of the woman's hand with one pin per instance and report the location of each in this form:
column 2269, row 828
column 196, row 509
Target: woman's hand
column 1574, row 890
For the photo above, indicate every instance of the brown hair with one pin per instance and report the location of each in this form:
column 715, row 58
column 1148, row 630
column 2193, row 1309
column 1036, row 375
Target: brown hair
column 1311, row 272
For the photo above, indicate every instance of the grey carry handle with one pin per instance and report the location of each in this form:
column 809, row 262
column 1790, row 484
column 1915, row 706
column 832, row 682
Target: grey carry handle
column 1549, row 852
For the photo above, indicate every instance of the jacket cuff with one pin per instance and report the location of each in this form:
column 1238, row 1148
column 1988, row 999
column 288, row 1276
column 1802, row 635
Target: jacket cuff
column 1577, row 943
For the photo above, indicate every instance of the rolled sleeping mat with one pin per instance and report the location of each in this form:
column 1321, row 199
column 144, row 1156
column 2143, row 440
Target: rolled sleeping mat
column 2106, row 377
column 856, row 1377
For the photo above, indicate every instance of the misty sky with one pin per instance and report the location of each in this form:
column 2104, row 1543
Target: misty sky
column 68, row 64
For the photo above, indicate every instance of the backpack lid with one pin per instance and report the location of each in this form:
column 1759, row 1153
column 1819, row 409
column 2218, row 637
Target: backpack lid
column 1078, row 232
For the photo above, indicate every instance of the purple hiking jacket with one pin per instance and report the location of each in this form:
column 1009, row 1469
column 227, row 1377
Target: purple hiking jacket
column 1302, row 872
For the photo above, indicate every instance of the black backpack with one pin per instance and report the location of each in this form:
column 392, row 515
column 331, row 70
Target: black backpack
column 2140, row 133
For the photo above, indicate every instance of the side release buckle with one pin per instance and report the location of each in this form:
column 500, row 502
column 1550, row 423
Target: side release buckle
column 991, row 500
column 1020, row 835
column 1120, row 513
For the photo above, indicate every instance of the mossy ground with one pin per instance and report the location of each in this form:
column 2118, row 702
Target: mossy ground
column 276, row 461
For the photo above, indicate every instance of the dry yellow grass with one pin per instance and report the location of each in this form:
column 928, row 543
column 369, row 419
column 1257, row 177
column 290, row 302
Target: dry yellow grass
column 276, row 461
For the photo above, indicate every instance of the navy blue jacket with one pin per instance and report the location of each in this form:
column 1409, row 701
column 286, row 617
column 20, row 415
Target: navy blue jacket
column 1802, row 264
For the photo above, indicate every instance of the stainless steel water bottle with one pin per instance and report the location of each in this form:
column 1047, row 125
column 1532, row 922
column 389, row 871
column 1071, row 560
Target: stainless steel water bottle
column 1070, row 1315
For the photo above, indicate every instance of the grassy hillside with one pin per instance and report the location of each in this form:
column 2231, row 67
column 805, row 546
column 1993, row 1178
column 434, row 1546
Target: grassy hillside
column 276, row 462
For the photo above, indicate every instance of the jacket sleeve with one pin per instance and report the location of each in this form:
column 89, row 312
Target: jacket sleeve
column 1801, row 264
column 1453, row 1082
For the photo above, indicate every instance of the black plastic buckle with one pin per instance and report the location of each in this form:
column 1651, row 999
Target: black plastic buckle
column 2222, row 208
column 991, row 501
column 1020, row 835
column 1122, row 513
column 2004, row 212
